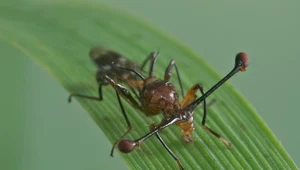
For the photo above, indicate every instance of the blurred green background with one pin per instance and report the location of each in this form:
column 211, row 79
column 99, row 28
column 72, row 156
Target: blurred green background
column 39, row 130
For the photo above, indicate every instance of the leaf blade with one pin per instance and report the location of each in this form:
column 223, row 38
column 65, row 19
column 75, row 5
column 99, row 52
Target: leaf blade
column 63, row 52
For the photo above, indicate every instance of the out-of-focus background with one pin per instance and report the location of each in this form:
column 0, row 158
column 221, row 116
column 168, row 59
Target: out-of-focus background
column 35, row 116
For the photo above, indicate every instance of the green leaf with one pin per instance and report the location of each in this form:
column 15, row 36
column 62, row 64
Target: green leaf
column 58, row 36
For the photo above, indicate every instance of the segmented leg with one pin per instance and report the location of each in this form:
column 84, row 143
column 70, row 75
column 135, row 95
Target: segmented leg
column 127, row 121
column 168, row 74
column 191, row 96
column 228, row 144
column 150, row 57
column 124, row 92
column 152, row 64
column 99, row 98
column 169, row 150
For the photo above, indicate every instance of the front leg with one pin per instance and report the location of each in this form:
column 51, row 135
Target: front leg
column 227, row 143
column 168, row 74
column 97, row 98
column 189, row 98
column 127, row 121
column 124, row 92
column 121, row 90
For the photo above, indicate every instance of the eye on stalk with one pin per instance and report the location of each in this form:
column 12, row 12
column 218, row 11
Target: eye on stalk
column 241, row 62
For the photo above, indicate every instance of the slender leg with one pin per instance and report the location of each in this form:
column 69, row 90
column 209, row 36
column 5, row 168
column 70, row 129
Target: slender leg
column 149, row 57
column 168, row 74
column 153, row 63
column 211, row 102
column 131, row 70
column 168, row 71
column 191, row 96
column 99, row 98
column 134, row 84
column 127, row 121
column 124, row 93
column 169, row 150
column 228, row 144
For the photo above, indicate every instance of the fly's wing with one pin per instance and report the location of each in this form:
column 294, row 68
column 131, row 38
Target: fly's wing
column 104, row 58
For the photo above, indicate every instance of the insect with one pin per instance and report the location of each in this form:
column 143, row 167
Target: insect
column 160, row 96
column 111, row 69
column 157, row 96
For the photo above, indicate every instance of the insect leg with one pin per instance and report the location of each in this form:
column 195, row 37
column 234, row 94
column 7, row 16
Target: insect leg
column 168, row 74
column 191, row 96
column 169, row 150
column 149, row 57
column 99, row 98
column 124, row 93
column 153, row 61
column 228, row 144
column 120, row 90
column 210, row 102
column 127, row 121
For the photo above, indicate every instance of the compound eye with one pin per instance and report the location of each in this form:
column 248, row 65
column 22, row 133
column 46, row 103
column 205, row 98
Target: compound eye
column 126, row 146
column 242, row 61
